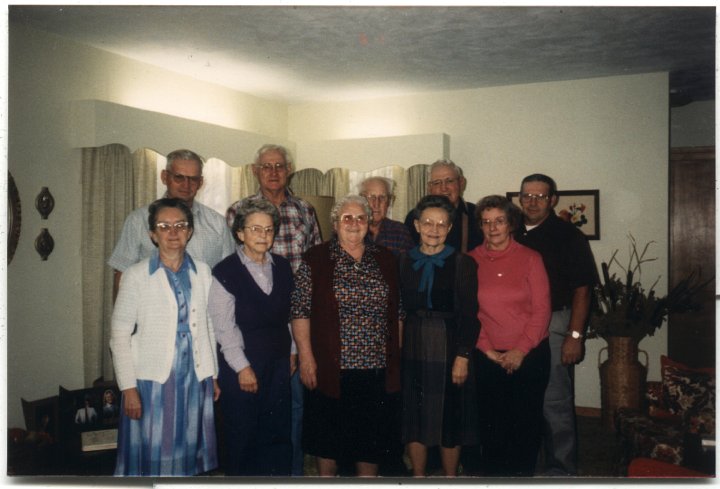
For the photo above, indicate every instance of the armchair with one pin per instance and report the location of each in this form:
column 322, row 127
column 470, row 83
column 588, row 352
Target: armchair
column 679, row 414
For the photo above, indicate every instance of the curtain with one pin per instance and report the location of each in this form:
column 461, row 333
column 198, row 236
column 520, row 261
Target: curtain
column 114, row 182
column 416, row 178
column 306, row 182
column 336, row 183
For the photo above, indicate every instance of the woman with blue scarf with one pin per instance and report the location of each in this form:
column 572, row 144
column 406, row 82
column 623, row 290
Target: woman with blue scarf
column 439, row 294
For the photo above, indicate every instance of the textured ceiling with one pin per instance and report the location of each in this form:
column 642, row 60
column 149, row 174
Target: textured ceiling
column 314, row 53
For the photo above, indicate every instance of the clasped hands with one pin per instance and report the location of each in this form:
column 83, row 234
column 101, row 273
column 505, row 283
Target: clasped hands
column 510, row 360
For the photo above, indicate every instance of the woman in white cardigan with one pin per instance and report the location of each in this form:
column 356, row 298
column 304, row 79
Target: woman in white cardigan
column 163, row 349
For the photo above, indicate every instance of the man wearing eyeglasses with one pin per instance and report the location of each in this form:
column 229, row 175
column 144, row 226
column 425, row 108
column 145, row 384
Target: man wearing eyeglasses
column 299, row 230
column 446, row 178
column 572, row 273
column 211, row 240
column 391, row 234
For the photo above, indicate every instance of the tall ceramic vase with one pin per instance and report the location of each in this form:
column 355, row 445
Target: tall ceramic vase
column 622, row 377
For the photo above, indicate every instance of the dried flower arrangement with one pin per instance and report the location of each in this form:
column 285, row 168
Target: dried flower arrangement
column 627, row 309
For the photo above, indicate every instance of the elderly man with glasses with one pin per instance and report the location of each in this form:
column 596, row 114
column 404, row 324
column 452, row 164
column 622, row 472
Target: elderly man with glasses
column 384, row 231
column 299, row 230
column 572, row 273
column 446, row 178
column 211, row 240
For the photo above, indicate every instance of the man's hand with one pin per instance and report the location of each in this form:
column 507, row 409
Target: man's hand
column 572, row 350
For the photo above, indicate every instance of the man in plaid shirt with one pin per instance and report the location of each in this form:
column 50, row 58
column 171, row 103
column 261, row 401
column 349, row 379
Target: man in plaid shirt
column 299, row 231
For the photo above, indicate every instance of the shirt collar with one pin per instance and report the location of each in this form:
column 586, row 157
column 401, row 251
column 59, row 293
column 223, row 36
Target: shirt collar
column 246, row 259
column 155, row 263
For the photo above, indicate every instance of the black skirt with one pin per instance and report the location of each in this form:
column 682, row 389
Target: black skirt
column 356, row 427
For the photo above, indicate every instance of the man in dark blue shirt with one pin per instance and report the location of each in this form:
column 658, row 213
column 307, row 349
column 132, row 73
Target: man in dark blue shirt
column 572, row 273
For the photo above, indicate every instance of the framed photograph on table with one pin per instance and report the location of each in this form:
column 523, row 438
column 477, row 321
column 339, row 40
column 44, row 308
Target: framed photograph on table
column 579, row 207
column 89, row 417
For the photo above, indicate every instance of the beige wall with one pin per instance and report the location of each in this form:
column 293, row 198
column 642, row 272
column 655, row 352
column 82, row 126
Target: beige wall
column 52, row 82
column 608, row 133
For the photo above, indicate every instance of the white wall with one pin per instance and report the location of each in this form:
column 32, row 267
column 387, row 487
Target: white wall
column 48, row 77
column 609, row 134
column 693, row 125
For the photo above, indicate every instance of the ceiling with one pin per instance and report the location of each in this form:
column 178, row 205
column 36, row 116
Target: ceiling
column 318, row 53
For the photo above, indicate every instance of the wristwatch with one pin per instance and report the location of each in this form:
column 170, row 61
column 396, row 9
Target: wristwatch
column 575, row 335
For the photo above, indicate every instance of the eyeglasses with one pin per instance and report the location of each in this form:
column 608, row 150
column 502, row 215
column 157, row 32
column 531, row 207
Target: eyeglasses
column 429, row 225
column 438, row 183
column 261, row 231
column 498, row 222
column 165, row 227
column 181, row 179
column 531, row 197
column 377, row 198
column 269, row 167
column 348, row 219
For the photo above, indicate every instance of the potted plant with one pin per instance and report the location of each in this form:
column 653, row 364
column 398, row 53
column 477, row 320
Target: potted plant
column 623, row 313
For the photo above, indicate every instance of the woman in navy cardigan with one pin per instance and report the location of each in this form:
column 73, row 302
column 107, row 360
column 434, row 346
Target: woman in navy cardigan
column 250, row 305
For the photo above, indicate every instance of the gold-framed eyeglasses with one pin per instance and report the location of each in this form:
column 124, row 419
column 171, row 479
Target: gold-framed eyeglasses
column 430, row 225
column 180, row 179
column 348, row 219
column 270, row 167
column 260, row 230
column 534, row 197
column 497, row 222
column 440, row 182
column 166, row 227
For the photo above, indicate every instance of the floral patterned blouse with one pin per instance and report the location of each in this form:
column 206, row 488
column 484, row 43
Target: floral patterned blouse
column 362, row 297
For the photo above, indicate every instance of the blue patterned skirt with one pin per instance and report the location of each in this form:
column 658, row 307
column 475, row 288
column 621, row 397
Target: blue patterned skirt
column 175, row 436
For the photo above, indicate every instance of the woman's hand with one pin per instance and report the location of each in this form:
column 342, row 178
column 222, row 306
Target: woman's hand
column 247, row 380
column 132, row 407
column 511, row 360
column 308, row 371
column 460, row 370
column 216, row 390
column 493, row 356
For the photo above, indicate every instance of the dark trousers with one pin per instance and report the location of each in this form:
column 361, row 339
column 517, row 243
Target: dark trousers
column 257, row 426
column 511, row 413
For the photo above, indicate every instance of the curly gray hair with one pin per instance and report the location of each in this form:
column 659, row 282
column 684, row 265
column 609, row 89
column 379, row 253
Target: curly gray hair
column 350, row 199
column 254, row 206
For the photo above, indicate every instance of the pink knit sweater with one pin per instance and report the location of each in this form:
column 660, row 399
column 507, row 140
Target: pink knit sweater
column 513, row 297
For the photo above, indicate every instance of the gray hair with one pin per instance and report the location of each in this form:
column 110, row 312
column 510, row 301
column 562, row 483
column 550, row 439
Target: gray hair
column 254, row 206
column 266, row 148
column 388, row 182
column 350, row 199
column 448, row 163
column 183, row 154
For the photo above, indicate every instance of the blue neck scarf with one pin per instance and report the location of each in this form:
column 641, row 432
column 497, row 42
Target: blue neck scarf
column 428, row 264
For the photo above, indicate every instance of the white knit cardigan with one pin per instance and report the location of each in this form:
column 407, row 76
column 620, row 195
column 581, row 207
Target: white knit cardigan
column 148, row 301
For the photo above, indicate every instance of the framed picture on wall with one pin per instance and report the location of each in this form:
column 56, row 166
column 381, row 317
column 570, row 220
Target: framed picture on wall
column 579, row 207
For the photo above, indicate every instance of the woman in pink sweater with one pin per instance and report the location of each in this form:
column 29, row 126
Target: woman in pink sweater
column 513, row 356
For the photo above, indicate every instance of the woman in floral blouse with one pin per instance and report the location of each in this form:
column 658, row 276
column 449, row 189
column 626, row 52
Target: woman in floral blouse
column 346, row 322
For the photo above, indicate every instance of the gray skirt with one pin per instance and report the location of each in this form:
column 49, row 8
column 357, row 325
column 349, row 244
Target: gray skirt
column 435, row 411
